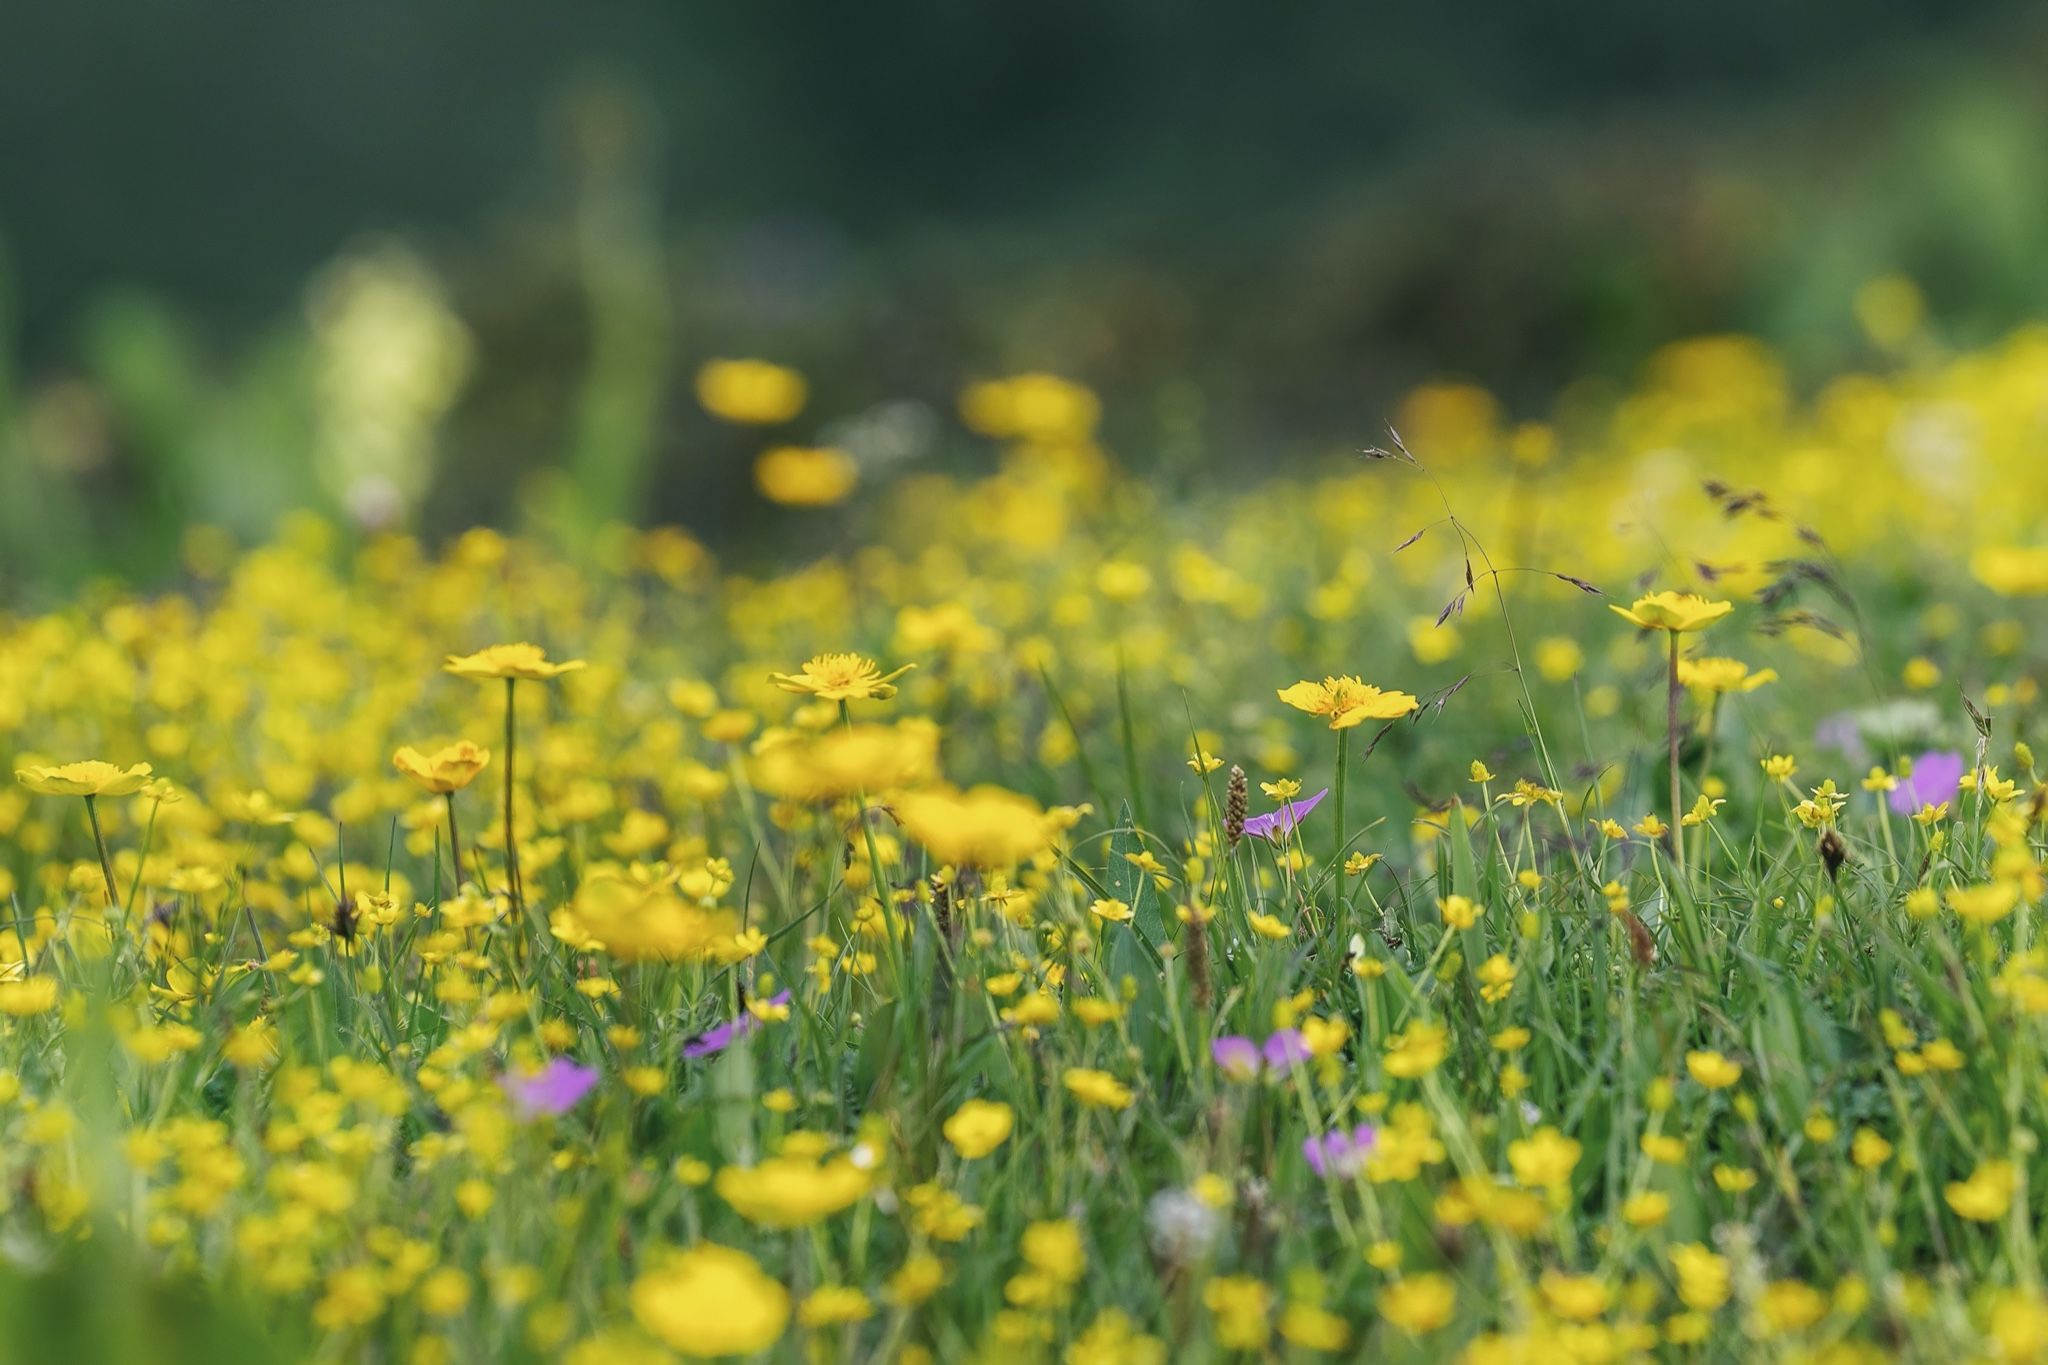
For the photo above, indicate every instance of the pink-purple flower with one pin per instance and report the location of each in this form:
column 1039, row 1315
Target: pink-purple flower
column 1936, row 777
column 1241, row 1059
column 714, row 1041
column 1277, row 825
column 556, row 1088
column 1340, row 1153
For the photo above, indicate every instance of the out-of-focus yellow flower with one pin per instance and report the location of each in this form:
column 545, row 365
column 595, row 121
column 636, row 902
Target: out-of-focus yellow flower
column 806, row 476
column 1097, row 1089
column 1713, row 1070
column 792, row 1191
column 711, row 1301
column 750, row 392
column 1418, row 1304
column 1987, row 1194
column 987, row 827
column 978, row 1127
column 1717, row 677
column 2012, row 570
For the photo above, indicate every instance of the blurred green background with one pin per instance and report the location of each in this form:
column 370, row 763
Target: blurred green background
column 453, row 263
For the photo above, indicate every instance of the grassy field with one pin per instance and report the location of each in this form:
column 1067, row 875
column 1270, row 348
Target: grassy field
column 1542, row 892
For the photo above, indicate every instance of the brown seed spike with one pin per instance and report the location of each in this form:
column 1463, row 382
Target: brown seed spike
column 1833, row 852
column 1235, row 803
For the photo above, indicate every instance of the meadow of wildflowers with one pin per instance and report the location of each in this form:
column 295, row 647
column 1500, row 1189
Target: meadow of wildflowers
column 1544, row 892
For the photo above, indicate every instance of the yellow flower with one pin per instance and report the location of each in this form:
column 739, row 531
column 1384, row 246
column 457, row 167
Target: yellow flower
column 1791, row 1306
column 2019, row 1325
column 919, row 1277
column 1868, row 1149
column 1054, row 1248
column 1314, row 1328
column 1677, row 612
column 1712, row 1070
column 1575, row 1298
column 834, row 1305
column 841, row 677
column 509, row 661
column 1097, row 1089
column 1240, row 1305
column 1417, row 1050
column 1347, row 701
column 1646, row 1210
column 1544, row 1159
column 806, row 476
column 792, row 1191
column 1986, row 904
column 750, row 392
column 987, row 827
column 1458, row 911
column 1115, row 911
column 1703, row 1277
column 638, row 923
column 28, row 995
column 1717, row 677
column 445, row 770
column 1268, row 926
column 711, row 1301
column 90, row 777
column 1496, row 978
column 978, row 1127
column 1418, row 1304
column 2012, row 570
column 1987, row 1194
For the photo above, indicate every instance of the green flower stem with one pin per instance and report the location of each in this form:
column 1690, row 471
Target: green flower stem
column 100, row 841
column 1337, row 796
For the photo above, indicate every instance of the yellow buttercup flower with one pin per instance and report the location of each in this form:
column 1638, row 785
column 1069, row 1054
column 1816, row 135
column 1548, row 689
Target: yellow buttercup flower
column 1713, row 1070
column 1418, row 1304
column 1097, row 1089
column 792, row 1191
column 2012, row 570
column 806, row 476
column 89, row 777
column 750, row 392
column 841, row 677
column 1987, row 1194
column 711, row 1301
column 978, row 1127
column 1346, row 701
column 1545, row 1159
column 1677, row 612
column 509, row 661
column 447, row 769
column 1718, row 677
column 28, row 995
column 986, row 827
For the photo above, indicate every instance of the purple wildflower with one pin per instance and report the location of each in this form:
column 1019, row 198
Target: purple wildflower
column 1236, row 1056
column 1285, row 1049
column 1277, row 825
column 1935, row 778
column 714, row 1041
column 1340, row 1153
column 556, row 1088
